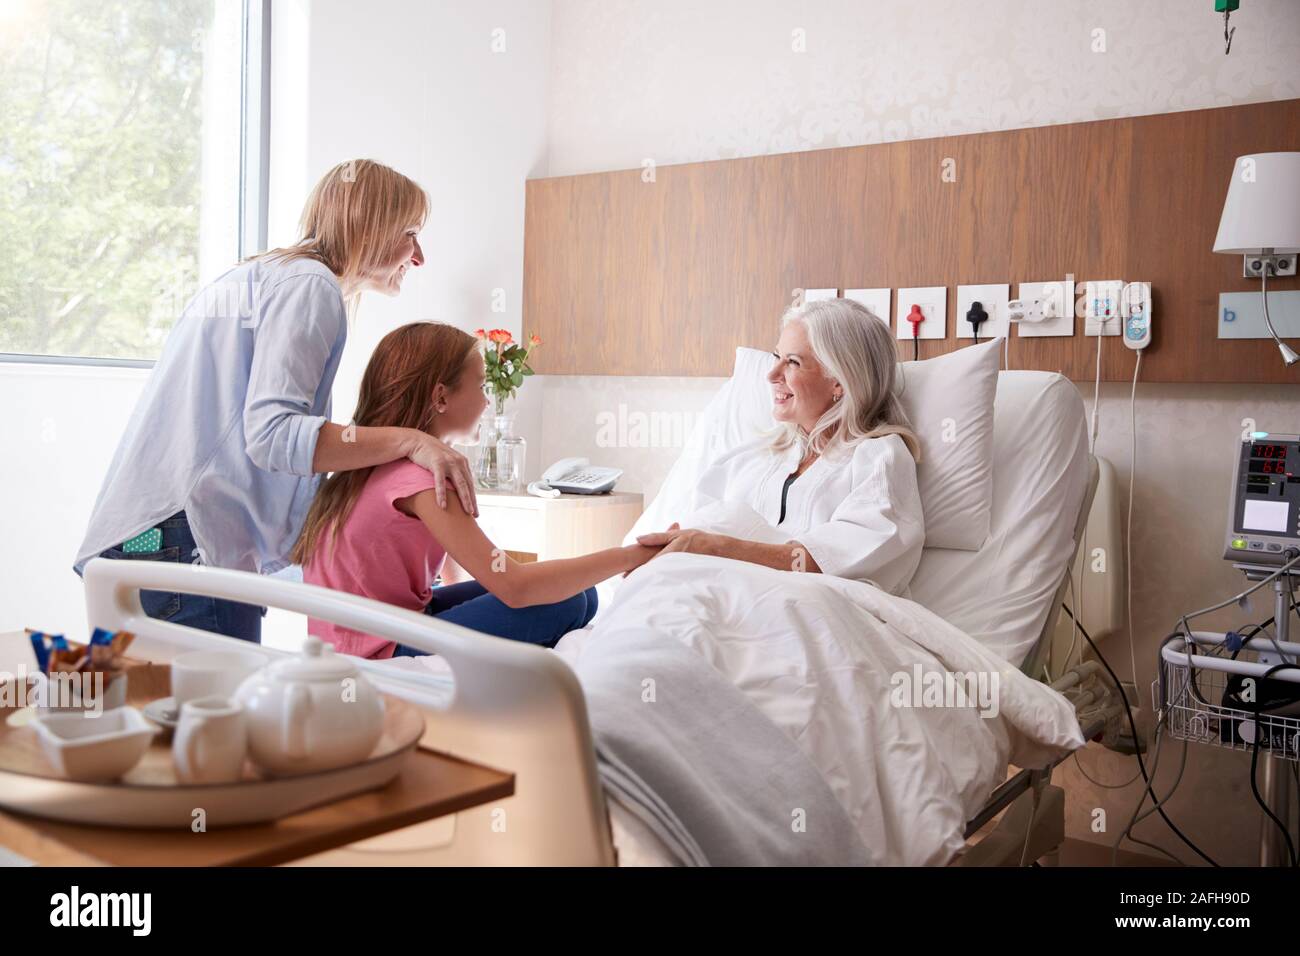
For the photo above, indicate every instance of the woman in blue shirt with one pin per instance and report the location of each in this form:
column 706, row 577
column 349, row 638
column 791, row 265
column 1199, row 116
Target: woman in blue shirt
column 221, row 458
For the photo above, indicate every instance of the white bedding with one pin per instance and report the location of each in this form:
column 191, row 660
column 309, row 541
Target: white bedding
column 816, row 654
column 820, row 657
column 1001, row 595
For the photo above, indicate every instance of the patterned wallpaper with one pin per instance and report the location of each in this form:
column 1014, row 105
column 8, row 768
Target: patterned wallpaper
column 682, row 80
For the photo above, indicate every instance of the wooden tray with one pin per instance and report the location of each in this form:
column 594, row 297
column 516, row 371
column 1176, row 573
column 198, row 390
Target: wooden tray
column 149, row 795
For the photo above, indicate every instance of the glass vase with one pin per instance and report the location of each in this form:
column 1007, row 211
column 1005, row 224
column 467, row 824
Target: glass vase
column 485, row 467
column 511, row 457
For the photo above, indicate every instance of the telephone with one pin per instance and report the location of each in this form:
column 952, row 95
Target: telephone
column 575, row 476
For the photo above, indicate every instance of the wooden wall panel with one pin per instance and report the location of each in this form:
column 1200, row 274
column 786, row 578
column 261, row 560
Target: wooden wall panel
column 627, row 277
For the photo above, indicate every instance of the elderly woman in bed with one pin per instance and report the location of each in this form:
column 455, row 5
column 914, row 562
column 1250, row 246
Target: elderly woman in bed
column 835, row 482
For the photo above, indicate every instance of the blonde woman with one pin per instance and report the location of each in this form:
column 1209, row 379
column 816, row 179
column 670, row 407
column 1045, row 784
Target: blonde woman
column 838, row 475
column 219, row 462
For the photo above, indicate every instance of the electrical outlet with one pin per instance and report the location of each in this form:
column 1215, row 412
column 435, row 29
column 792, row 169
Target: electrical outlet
column 877, row 300
column 933, row 301
column 1058, row 308
column 819, row 295
column 1101, row 314
column 993, row 299
column 1283, row 265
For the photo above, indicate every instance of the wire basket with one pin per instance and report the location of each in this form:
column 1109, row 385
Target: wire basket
column 1191, row 699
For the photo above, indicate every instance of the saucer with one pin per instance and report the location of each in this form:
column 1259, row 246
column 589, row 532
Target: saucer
column 163, row 712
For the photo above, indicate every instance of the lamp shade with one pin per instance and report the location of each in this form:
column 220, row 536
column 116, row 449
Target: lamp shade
column 1262, row 210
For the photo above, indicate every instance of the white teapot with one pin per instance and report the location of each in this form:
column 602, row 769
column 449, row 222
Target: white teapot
column 315, row 711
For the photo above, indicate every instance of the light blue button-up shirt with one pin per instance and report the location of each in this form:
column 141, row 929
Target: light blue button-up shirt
column 227, row 425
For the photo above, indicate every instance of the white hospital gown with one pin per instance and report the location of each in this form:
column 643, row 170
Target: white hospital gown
column 858, row 515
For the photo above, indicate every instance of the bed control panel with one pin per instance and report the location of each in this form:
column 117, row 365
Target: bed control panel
column 1264, row 511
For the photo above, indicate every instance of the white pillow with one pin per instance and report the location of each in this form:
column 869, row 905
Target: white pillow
column 948, row 400
column 741, row 410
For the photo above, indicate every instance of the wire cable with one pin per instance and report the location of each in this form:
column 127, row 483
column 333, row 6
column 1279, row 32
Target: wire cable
column 1254, row 766
column 1096, row 400
column 1182, row 767
column 1128, row 533
column 1157, row 802
column 1078, row 764
column 1029, row 826
column 1149, row 790
column 1128, row 711
column 1078, row 619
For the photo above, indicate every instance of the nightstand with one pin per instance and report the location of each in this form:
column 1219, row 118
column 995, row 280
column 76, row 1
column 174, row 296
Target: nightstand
column 542, row 529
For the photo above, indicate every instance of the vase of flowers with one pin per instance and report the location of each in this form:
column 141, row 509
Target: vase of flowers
column 505, row 366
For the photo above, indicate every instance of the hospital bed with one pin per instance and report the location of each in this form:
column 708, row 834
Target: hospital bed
column 521, row 708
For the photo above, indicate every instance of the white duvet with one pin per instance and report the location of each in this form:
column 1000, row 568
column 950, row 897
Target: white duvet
column 856, row 679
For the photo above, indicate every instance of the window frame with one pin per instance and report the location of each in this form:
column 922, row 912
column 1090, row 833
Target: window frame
column 254, row 167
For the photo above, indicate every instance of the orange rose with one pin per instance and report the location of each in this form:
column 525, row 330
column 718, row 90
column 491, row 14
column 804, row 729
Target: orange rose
column 534, row 339
column 480, row 334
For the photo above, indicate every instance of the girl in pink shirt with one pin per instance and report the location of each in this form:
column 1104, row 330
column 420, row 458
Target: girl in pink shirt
column 380, row 532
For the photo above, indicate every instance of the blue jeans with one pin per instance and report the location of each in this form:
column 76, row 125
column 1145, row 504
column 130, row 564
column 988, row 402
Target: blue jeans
column 230, row 618
column 470, row 605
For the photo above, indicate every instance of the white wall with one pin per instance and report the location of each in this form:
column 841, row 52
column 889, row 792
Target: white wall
column 58, row 432
column 418, row 86
column 452, row 95
column 680, row 81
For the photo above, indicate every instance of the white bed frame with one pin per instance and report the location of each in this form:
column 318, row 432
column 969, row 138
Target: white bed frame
column 515, row 707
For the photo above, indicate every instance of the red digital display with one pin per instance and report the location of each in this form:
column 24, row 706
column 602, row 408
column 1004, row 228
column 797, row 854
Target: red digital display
column 1267, row 451
column 1268, row 466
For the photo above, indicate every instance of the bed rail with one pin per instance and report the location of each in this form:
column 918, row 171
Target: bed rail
column 511, row 705
column 1036, row 824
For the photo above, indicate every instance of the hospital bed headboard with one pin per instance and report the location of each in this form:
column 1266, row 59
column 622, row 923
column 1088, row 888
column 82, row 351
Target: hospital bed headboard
column 624, row 275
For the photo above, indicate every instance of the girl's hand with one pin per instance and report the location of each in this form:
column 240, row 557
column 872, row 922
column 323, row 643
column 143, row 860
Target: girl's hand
column 637, row 555
column 657, row 539
column 446, row 465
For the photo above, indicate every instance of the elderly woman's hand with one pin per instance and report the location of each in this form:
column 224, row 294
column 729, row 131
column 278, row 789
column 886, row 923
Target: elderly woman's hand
column 688, row 540
column 657, row 539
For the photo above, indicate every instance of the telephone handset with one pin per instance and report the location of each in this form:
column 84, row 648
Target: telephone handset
column 575, row 476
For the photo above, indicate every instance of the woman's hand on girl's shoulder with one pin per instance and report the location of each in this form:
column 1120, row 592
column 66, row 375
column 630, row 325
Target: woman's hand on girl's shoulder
column 447, row 466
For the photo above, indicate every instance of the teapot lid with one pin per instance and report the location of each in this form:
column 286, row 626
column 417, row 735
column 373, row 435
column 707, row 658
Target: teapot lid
column 318, row 661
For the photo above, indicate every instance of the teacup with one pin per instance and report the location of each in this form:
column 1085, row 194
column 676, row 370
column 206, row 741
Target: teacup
column 212, row 673
column 211, row 741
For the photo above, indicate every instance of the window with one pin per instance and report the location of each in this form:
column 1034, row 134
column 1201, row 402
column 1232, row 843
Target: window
column 132, row 167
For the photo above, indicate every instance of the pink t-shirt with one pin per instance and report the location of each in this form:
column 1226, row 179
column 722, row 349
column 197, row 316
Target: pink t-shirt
column 381, row 553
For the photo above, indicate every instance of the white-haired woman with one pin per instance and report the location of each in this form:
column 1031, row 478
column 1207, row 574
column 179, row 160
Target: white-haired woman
column 838, row 475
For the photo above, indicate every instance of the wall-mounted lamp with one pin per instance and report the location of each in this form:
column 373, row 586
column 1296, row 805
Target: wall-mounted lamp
column 1261, row 221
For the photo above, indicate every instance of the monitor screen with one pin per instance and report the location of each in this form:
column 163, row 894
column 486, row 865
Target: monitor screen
column 1268, row 516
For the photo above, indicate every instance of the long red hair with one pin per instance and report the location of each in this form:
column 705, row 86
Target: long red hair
column 396, row 390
